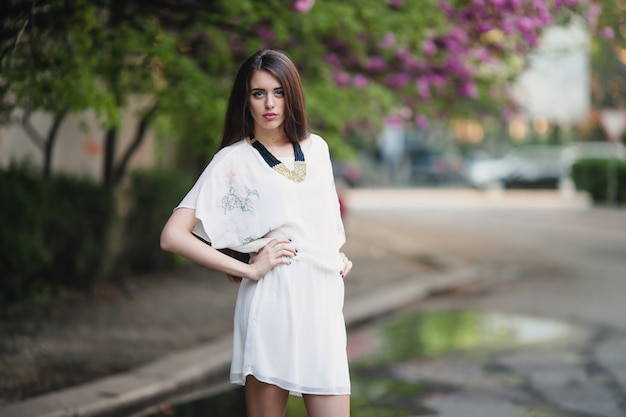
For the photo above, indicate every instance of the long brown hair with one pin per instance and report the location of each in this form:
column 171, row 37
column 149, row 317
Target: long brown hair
column 238, row 122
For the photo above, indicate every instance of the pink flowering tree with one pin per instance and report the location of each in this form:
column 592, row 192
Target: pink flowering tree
column 441, row 59
column 459, row 59
column 358, row 59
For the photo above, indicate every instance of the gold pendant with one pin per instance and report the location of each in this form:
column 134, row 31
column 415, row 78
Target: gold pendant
column 298, row 174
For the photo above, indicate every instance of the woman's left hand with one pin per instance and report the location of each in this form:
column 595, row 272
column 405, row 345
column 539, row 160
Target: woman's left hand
column 347, row 265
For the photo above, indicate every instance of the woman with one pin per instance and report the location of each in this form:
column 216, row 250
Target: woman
column 269, row 192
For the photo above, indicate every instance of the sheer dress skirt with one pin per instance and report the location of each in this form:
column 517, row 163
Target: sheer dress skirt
column 289, row 331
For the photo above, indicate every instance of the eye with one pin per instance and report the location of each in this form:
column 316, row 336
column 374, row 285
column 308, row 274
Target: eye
column 258, row 94
column 279, row 93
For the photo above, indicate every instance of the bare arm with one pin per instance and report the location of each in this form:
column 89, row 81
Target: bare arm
column 176, row 237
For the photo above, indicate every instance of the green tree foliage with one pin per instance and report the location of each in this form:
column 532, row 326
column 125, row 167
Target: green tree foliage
column 358, row 60
column 608, row 50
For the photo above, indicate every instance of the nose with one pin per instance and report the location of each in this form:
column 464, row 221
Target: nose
column 269, row 102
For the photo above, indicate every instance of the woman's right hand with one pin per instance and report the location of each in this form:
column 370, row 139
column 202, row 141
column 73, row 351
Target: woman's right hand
column 276, row 252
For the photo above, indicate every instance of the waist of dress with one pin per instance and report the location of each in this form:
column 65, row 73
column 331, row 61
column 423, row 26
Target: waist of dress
column 319, row 262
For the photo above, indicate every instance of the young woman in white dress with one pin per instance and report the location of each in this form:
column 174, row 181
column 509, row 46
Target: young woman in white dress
column 267, row 205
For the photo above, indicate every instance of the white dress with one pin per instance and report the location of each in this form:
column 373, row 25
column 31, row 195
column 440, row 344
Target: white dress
column 289, row 328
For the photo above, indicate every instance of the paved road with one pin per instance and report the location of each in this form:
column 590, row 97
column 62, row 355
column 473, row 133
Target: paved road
column 545, row 255
column 553, row 267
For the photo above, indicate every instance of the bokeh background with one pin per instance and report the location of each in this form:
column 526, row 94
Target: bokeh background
column 111, row 109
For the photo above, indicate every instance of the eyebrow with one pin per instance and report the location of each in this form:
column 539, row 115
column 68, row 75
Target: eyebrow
column 263, row 89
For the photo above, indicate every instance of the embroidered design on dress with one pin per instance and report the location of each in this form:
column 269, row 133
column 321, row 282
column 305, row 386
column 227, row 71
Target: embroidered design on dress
column 245, row 239
column 232, row 201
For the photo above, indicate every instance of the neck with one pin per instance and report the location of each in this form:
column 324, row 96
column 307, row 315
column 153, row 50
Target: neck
column 271, row 138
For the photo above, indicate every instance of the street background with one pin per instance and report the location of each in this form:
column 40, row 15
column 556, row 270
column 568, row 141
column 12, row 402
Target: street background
column 478, row 149
column 536, row 254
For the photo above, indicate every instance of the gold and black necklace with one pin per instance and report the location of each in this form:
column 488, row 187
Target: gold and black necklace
column 297, row 174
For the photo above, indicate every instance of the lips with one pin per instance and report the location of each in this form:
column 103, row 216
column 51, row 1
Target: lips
column 270, row 116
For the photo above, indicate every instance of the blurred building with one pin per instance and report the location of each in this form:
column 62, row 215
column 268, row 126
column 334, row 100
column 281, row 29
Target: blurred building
column 79, row 147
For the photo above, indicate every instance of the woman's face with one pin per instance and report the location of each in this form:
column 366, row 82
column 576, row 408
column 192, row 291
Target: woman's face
column 266, row 101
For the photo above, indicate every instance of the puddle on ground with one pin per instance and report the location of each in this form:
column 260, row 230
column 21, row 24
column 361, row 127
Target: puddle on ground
column 409, row 336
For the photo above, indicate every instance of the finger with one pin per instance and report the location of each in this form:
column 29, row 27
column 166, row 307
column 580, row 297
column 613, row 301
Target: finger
column 347, row 267
column 286, row 248
column 280, row 241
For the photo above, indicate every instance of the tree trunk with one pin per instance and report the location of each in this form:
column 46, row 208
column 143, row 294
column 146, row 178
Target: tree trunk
column 140, row 134
column 45, row 145
column 50, row 142
column 110, row 143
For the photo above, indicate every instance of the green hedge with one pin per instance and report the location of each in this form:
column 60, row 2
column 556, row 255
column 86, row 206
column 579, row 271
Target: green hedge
column 591, row 175
column 54, row 233
column 152, row 195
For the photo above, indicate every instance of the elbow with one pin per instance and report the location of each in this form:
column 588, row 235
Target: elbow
column 166, row 241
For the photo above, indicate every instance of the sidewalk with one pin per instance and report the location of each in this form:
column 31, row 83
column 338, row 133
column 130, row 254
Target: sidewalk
column 171, row 333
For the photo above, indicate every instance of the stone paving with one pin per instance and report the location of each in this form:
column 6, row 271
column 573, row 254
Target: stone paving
column 583, row 375
column 580, row 375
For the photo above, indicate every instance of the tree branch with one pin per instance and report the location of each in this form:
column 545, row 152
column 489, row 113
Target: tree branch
column 51, row 140
column 32, row 133
column 140, row 134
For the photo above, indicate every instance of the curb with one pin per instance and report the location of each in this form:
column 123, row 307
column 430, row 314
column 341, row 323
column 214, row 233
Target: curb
column 364, row 199
column 174, row 374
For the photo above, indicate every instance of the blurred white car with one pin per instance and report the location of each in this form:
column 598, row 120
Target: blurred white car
column 529, row 165
column 537, row 165
column 483, row 171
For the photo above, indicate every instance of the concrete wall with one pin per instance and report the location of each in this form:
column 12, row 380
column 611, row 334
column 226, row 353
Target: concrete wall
column 79, row 147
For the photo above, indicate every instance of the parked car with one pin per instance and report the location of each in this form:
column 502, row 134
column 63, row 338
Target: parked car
column 542, row 166
column 483, row 171
column 527, row 166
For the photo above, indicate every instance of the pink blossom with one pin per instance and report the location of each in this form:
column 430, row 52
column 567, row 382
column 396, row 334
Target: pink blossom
column 407, row 61
column 398, row 80
column 532, row 39
column 484, row 27
column 436, row 80
column 423, row 89
column 525, row 24
column 360, row 81
column 566, row 3
column 265, row 33
column 333, row 59
column 429, row 47
column 376, row 64
column 388, row 41
column 468, row 89
column 507, row 27
column 396, row 4
column 446, row 7
column 593, row 12
column 342, row 79
column 303, row 6
column 507, row 113
column 606, row 32
column 458, row 35
column 457, row 67
column 421, row 121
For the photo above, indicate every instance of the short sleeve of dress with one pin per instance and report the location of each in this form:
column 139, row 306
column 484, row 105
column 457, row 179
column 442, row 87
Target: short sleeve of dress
column 226, row 206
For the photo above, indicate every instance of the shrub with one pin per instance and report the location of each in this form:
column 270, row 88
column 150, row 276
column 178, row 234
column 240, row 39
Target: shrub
column 152, row 195
column 592, row 175
column 54, row 233
column 79, row 219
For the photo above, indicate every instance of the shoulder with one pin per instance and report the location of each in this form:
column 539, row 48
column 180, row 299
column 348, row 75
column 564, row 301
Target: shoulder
column 230, row 153
column 318, row 141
